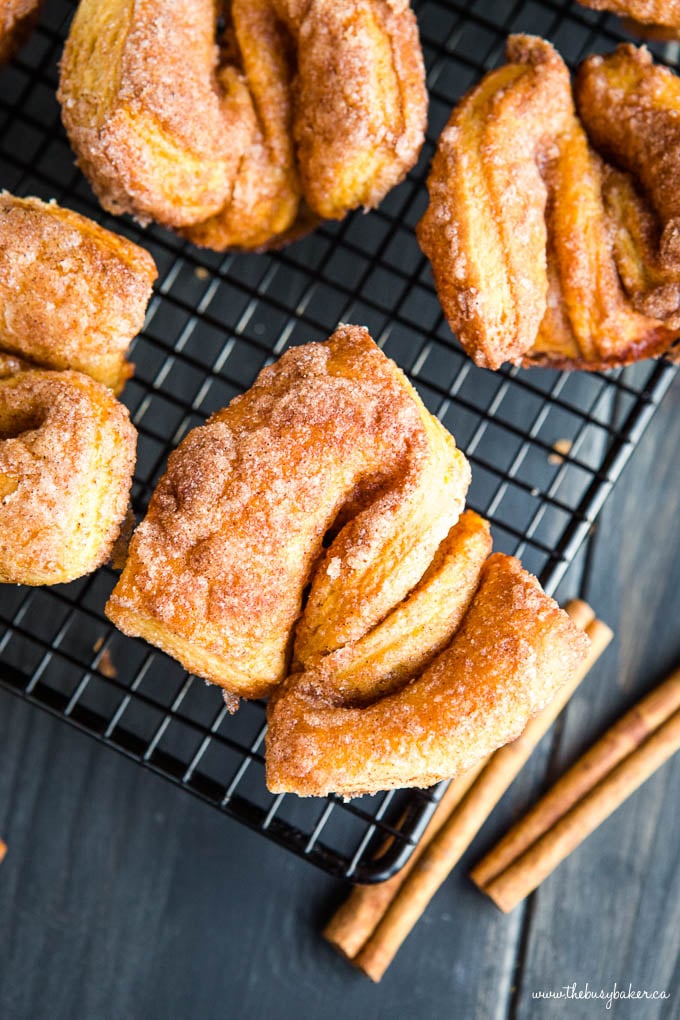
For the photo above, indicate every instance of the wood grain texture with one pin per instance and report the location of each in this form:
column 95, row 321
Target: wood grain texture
column 611, row 912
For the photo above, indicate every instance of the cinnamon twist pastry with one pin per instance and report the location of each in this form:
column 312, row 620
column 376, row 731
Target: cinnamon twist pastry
column 645, row 14
column 630, row 108
column 508, row 658
column 484, row 231
column 67, row 451
column 315, row 106
column 17, row 18
column 313, row 526
column 531, row 257
column 299, row 516
column 72, row 295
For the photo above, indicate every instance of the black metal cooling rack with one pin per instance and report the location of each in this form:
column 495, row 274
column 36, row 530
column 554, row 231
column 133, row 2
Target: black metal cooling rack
column 545, row 447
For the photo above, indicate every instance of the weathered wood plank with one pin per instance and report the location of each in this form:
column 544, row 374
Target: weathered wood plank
column 611, row 913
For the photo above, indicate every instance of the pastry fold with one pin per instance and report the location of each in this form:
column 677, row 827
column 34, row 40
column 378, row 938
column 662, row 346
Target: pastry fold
column 302, row 513
column 484, row 230
column 72, row 294
column 541, row 252
column 67, row 452
column 302, row 110
column 630, row 108
column 512, row 652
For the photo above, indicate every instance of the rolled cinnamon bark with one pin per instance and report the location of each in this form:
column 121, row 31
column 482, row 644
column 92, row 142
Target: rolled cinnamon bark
column 3, row 850
column 355, row 921
column 622, row 738
column 533, row 866
column 438, row 858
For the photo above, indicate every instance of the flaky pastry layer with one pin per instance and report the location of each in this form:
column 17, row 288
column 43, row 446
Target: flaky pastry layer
column 484, row 230
column 67, row 452
column 512, row 652
column 72, row 294
column 304, row 110
column 311, row 505
column 539, row 255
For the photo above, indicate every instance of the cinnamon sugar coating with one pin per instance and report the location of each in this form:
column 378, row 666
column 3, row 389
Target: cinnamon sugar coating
column 72, row 294
column 630, row 108
column 17, row 18
column 484, row 230
column 535, row 255
column 402, row 644
column 590, row 320
column 313, row 504
column 67, row 452
column 512, row 652
column 303, row 110
column 665, row 13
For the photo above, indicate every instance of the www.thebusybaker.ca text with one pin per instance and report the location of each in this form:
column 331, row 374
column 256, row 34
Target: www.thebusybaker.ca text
column 608, row 995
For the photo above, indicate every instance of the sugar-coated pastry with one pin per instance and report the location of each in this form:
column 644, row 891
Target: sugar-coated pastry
column 17, row 18
column 303, row 512
column 141, row 107
column 540, row 255
column 647, row 13
column 630, row 107
column 651, row 283
column 303, row 110
column 403, row 643
column 511, row 653
column 589, row 322
column 484, row 230
column 67, row 452
column 72, row 294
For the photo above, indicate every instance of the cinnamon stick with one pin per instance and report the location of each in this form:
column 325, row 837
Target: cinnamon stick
column 3, row 850
column 441, row 853
column 509, row 885
column 355, row 921
column 618, row 742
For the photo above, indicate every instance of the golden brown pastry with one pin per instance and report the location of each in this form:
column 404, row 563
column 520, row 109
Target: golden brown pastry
column 307, row 509
column 652, row 285
column 512, row 652
column 589, row 320
column 526, row 239
column 662, row 13
column 484, row 231
column 72, row 295
column 67, row 451
column 315, row 106
column 403, row 643
column 630, row 108
column 17, row 18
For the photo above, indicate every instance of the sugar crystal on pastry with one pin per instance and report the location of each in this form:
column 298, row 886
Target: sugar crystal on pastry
column 512, row 651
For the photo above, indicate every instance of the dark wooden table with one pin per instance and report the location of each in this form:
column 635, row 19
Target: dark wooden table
column 121, row 897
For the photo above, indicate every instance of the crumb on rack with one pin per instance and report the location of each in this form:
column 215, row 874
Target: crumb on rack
column 561, row 447
column 106, row 666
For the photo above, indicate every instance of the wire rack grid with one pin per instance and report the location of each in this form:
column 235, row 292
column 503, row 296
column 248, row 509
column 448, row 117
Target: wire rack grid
column 545, row 447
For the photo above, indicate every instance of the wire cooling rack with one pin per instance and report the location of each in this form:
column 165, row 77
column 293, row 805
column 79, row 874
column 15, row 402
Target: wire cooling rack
column 545, row 447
